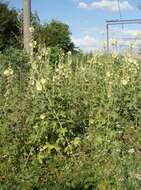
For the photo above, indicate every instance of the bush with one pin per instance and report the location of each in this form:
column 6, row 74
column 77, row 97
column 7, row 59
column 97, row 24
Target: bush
column 74, row 126
column 9, row 27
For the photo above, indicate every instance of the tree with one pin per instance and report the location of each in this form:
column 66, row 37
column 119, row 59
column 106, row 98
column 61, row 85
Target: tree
column 27, row 24
column 57, row 34
column 9, row 27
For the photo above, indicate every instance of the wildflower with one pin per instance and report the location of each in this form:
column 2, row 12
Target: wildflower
column 138, row 34
column 108, row 74
column 35, row 127
column 138, row 176
column 31, row 29
column 82, row 68
column 31, row 45
column 114, row 42
column 132, row 45
column 42, row 116
column 131, row 151
column 38, row 86
column 114, row 55
column 69, row 53
column 130, row 60
column 39, row 57
column 34, row 66
column 32, row 82
column 41, row 149
column 8, row 72
column 54, row 78
column 43, row 81
column 124, row 82
column 35, row 43
column 120, row 132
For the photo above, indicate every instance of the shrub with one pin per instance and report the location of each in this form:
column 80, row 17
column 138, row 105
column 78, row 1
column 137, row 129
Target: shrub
column 74, row 126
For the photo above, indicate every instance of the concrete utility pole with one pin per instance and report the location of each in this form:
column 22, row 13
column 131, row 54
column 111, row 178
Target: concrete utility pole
column 26, row 24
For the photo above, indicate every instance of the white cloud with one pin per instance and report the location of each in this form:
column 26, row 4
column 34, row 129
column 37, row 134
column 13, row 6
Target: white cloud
column 86, row 43
column 83, row 5
column 107, row 5
column 124, row 33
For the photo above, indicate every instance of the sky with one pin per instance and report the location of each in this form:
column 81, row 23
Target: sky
column 86, row 19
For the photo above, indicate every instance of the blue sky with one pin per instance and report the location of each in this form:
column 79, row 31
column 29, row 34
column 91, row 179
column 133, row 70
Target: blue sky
column 86, row 18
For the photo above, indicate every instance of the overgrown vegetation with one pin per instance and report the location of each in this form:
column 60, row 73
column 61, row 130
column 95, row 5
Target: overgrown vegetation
column 72, row 125
column 67, row 121
column 9, row 27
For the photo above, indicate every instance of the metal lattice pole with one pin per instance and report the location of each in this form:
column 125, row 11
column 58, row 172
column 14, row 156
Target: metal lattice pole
column 119, row 22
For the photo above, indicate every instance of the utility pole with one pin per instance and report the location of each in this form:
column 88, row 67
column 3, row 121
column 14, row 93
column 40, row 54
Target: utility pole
column 26, row 24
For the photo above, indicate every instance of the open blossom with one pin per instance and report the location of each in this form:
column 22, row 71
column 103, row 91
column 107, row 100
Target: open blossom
column 138, row 176
column 8, row 72
column 31, row 45
column 43, row 81
column 108, row 74
column 69, row 53
column 132, row 44
column 31, row 29
column 114, row 42
column 124, row 82
column 38, row 86
column 138, row 34
column 35, row 126
column 42, row 116
column 131, row 151
column 39, row 57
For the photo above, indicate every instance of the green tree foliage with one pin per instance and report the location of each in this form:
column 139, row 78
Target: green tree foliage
column 9, row 27
column 54, row 34
column 57, row 34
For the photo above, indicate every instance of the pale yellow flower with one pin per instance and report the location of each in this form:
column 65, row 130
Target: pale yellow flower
column 138, row 176
column 42, row 116
column 31, row 45
column 38, row 86
column 34, row 66
column 31, row 29
column 8, row 72
column 114, row 42
column 39, row 57
column 131, row 151
column 69, row 53
column 133, row 44
column 43, row 81
column 32, row 82
column 124, row 82
column 108, row 74
column 35, row 126
column 138, row 34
